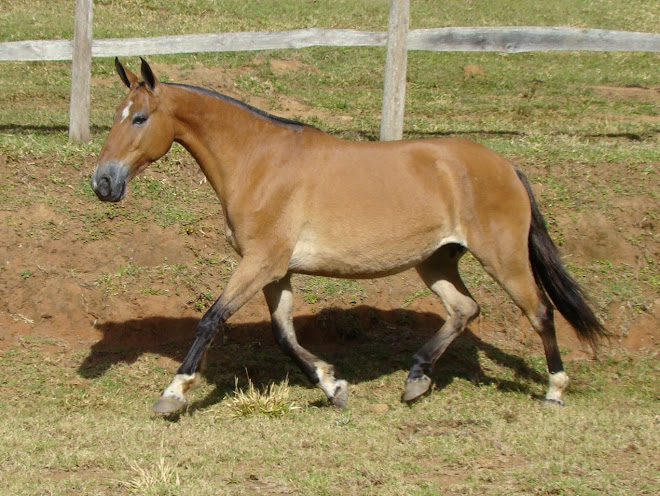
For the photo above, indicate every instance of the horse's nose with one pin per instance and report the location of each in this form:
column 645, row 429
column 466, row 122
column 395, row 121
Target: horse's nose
column 103, row 187
column 109, row 182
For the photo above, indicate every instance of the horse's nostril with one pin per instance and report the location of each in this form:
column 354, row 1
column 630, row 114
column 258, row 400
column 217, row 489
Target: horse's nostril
column 103, row 187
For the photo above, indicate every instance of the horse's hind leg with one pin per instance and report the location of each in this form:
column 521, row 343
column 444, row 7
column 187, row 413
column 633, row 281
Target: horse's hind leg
column 514, row 274
column 440, row 273
column 538, row 310
column 280, row 302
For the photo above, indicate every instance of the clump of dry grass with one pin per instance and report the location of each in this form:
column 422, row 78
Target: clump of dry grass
column 272, row 401
column 158, row 479
column 152, row 479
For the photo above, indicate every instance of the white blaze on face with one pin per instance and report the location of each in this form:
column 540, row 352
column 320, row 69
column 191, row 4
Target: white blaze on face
column 127, row 111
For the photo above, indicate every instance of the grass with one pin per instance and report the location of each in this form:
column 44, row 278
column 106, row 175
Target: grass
column 99, row 302
column 161, row 479
column 317, row 290
column 95, row 436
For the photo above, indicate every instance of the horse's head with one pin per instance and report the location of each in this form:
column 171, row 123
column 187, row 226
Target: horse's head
column 142, row 133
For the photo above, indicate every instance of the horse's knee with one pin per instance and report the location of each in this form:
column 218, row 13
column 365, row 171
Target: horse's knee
column 463, row 312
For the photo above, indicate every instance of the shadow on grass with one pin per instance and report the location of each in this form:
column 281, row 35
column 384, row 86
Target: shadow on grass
column 46, row 130
column 362, row 135
column 363, row 343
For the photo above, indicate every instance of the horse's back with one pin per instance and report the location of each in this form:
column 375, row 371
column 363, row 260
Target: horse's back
column 451, row 180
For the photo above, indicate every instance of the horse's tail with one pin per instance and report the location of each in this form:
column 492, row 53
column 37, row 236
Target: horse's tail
column 552, row 277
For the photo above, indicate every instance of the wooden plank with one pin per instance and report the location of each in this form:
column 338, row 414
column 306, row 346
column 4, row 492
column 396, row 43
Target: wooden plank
column 498, row 39
column 526, row 39
column 194, row 43
column 33, row 50
column 394, row 92
column 81, row 70
column 236, row 42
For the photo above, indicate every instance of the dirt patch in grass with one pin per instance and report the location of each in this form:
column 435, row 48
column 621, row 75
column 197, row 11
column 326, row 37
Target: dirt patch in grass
column 633, row 92
column 227, row 82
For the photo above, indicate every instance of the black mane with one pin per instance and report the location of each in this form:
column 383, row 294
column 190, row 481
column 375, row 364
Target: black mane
column 291, row 124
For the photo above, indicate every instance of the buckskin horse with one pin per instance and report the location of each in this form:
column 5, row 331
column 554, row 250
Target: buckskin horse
column 298, row 200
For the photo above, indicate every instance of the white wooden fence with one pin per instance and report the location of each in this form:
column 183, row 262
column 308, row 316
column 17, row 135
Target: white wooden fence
column 486, row 39
column 399, row 40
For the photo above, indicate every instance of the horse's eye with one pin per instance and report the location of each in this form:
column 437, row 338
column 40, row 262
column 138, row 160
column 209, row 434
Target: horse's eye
column 139, row 119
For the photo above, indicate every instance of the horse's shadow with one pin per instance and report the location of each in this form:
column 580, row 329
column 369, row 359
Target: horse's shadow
column 363, row 343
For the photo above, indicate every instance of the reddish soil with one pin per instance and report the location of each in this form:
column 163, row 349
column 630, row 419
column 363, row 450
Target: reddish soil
column 52, row 289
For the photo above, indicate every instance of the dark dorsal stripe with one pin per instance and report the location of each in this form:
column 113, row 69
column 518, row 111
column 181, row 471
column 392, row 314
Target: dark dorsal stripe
column 281, row 121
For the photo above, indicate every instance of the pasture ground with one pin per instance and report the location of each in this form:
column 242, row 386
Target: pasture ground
column 98, row 302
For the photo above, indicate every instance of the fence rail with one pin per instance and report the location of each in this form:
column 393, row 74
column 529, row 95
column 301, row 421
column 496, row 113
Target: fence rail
column 477, row 39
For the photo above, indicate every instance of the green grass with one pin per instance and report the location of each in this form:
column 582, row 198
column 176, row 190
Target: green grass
column 51, row 19
column 317, row 290
column 583, row 126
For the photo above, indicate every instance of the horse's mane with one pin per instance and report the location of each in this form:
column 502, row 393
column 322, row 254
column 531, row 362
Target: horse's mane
column 281, row 121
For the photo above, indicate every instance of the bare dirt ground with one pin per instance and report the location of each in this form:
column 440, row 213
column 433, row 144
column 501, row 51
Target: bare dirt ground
column 61, row 286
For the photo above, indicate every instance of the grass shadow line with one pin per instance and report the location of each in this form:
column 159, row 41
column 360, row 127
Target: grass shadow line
column 46, row 129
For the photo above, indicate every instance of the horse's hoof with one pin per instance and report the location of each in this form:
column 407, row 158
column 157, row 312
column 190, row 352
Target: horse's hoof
column 550, row 402
column 415, row 388
column 340, row 398
column 167, row 404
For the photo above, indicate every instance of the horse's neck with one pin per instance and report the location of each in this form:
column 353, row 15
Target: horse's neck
column 220, row 135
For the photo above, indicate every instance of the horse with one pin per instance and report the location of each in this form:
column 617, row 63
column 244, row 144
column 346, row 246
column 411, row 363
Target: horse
column 298, row 200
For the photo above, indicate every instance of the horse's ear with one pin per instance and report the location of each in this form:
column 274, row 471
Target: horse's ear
column 128, row 78
column 148, row 75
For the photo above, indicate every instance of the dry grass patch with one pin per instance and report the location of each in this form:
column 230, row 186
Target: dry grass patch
column 154, row 479
column 272, row 400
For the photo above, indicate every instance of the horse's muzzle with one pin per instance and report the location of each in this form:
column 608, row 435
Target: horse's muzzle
column 109, row 182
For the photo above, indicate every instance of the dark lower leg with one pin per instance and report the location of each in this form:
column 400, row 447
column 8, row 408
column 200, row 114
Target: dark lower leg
column 558, row 380
column 250, row 276
column 188, row 375
column 207, row 329
column 418, row 381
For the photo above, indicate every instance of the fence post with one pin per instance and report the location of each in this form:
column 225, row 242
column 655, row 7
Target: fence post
column 394, row 95
column 81, row 73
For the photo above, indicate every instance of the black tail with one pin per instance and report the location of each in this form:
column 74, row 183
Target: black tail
column 552, row 277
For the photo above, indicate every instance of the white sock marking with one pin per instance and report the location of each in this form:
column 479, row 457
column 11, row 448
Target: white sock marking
column 181, row 384
column 558, row 383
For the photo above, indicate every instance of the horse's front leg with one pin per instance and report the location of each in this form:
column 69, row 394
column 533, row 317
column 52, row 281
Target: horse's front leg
column 252, row 275
column 279, row 297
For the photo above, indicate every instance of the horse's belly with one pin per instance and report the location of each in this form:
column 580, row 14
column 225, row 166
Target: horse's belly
column 364, row 258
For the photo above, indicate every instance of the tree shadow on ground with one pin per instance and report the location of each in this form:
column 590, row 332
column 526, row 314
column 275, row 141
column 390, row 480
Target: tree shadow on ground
column 363, row 343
